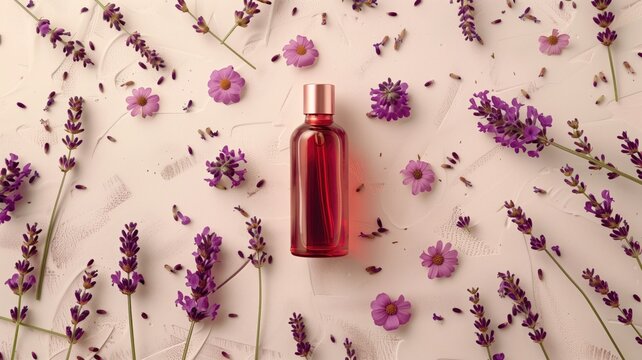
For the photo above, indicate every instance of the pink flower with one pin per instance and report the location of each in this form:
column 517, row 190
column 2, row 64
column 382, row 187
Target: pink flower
column 439, row 260
column 225, row 85
column 390, row 314
column 420, row 175
column 143, row 102
column 300, row 52
column 553, row 44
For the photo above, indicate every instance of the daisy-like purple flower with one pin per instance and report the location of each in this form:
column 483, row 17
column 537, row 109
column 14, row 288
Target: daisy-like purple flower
column 553, row 44
column 508, row 129
column 300, row 52
column 419, row 175
column 78, row 313
column 303, row 347
column 227, row 163
column 467, row 20
column 390, row 314
column 390, row 100
column 225, row 85
column 12, row 176
column 143, row 102
column 112, row 15
column 440, row 260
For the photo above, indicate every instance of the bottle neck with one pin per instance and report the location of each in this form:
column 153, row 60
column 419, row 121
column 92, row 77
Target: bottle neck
column 319, row 119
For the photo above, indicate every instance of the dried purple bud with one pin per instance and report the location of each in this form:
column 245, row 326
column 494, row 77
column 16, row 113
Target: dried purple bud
column 595, row 80
column 127, row 83
column 65, row 75
column 169, row 268
column 437, row 317
column 101, row 87
column 333, row 339
column 233, row 315
column 417, row 2
column 111, row 138
column 392, row 13
column 360, row 187
column 84, row 10
column 496, row 21
column 94, row 349
column 144, row 315
column 537, row 190
column 101, row 312
column 636, row 297
column 454, row 76
column 542, row 72
column 324, row 18
column 91, row 46
column 540, row 274
column 21, row 105
column 260, row 183
column 174, row 74
column 465, row 181
column 429, row 83
column 294, row 11
column 90, row 263
column 629, row 68
column 46, row 148
column 373, row 269
column 160, row 80
column 178, row 267
column 211, row 133
column 275, row 57
column 457, row 310
column 33, row 354
column 603, row 77
column 242, row 211
column 189, row 150
column 142, row 65
column 189, row 105
column 81, row 187
column 225, row 355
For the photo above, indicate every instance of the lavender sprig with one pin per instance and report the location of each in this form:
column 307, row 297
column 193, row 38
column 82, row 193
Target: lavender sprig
column 526, row 135
column 603, row 210
column 83, row 296
column 201, row 27
column 243, row 17
column 201, row 283
column 611, row 299
column 351, row 354
column 73, row 127
column 467, row 21
column 22, row 281
column 525, row 226
column 485, row 335
column 631, row 148
column 606, row 36
column 583, row 146
column 12, row 176
column 226, row 163
column 357, row 5
column 69, row 47
column 128, row 264
column 303, row 347
column 509, row 287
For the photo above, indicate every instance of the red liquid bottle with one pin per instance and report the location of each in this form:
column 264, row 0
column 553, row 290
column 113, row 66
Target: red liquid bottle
column 319, row 179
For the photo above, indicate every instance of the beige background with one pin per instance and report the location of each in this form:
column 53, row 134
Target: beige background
column 139, row 177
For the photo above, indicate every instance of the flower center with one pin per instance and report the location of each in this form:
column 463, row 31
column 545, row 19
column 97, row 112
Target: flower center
column 301, row 50
column 225, row 84
column 438, row 259
column 391, row 309
column 417, row 174
column 142, row 101
column 552, row 40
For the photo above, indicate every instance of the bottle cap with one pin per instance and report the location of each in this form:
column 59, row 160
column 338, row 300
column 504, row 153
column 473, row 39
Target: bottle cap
column 318, row 99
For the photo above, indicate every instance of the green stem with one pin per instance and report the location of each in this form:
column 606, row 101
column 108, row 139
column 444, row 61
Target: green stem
column 229, row 33
column 596, row 161
column 613, row 73
column 541, row 345
column 588, row 301
column 131, row 325
column 490, row 357
column 34, row 327
column 15, row 334
column 233, row 275
column 27, row 10
column 258, row 322
column 189, row 338
column 225, row 44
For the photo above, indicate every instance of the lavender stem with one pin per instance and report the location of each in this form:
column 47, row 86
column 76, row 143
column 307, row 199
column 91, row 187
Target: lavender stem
column 233, row 274
column 73, row 331
column 229, row 33
column 541, row 345
column 18, row 314
column 189, row 338
column 131, row 325
column 34, row 327
column 608, row 48
column 27, row 10
column 258, row 322
column 490, row 357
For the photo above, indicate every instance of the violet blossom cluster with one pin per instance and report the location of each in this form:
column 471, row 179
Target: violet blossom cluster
column 485, row 335
column 303, row 347
column 227, row 163
column 604, row 19
column 631, row 148
column 611, row 299
column 243, row 17
column 201, row 281
column 467, row 20
column 583, row 146
column 603, row 210
column 73, row 127
column 22, row 280
column 70, row 47
column 12, row 176
column 351, row 353
column 257, row 243
column 509, row 287
column 129, row 262
column 390, row 100
column 503, row 121
column 78, row 314
column 357, row 5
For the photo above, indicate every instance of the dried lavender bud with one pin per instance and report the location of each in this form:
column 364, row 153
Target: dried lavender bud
column 465, row 181
column 537, row 190
column 417, row 2
column 169, row 268
column 640, row 54
column 178, row 267
column 429, row 83
column 31, row 180
column 90, row 263
column 360, row 187
column 324, row 18
column 127, row 83
column 454, row 76
column 457, row 310
column 45, row 124
column 294, row 11
column 595, row 80
column 225, row 355
column 399, row 39
column 91, row 46
column 84, row 10
column 211, row 133
column 173, row 74
column 540, row 274
column 189, row 105
column 451, row 160
column 142, row 65
column 189, row 150
column 81, row 187
column 392, row 13
column 542, row 72
column 333, row 339
column 526, row 94
column 21, row 105
column 373, row 269
column 160, row 80
column 242, row 211
column 446, row 166
column 629, row 68
column 455, row 155
column 65, row 75
column 260, row 183
column 46, row 148
column 101, row 88
column 144, row 315
column 101, row 312
column 496, row 21
column 111, row 138
column 603, row 77
column 636, row 297
column 202, row 134
column 561, row 5
column 599, row 100
column 437, row 317
column 275, row 57
column 94, row 349
column 233, row 315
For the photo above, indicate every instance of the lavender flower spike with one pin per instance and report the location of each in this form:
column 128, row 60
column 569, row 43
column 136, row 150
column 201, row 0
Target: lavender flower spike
column 12, row 176
column 351, row 353
column 128, row 264
column 201, row 282
column 606, row 36
column 525, row 226
column 243, row 17
column 467, row 21
column 603, row 210
column 631, row 148
column 78, row 314
column 611, row 299
column 485, row 335
column 303, row 347
column 227, row 163
column 23, row 280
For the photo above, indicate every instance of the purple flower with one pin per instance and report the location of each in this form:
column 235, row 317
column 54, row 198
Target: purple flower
column 182, row 6
column 440, row 260
column 70, row 47
column 467, row 20
column 498, row 356
column 630, row 147
column 227, row 163
column 351, row 354
column 73, row 127
column 201, row 281
column 485, row 335
column 112, row 15
column 303, row 347
column 601, row 4
column 243, row 18
column 606, row 37
column 78, row 314
column 143, row 102
column 300, row 52
column 12, row 176
column 357, row 5
column 225, row 85
column 553, row 44
column 509, row 287
column 390, row 314
column 390, row 100
column 420, row 175
column 503, row 122
column 22, row 281
column 43, row 27
column 151, row 56
column 603, row 210
column 257, row 244
column 201, row 26
column 129, row 262
column 463, row 222
column 604, row 19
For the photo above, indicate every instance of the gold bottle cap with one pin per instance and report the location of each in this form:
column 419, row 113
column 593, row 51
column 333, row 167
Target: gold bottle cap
column 318, row 99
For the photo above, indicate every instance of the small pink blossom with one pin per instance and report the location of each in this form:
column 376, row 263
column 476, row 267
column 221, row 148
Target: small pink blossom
column 142, row 101
column 420, row 175
column 390, row 314
column 225, row 85
column 300, row 52
column 553, row 44
column 440, row 260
